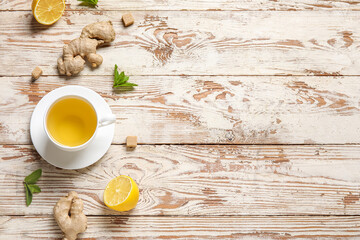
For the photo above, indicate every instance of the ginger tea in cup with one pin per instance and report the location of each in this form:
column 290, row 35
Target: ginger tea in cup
column 71, row 121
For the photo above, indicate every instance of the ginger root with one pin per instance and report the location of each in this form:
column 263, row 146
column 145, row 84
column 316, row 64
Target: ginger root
column 68, row 213
column 75, row 52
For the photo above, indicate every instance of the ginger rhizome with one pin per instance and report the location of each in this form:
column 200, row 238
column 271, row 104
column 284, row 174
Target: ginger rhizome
column 68, row 213
column 74, row 53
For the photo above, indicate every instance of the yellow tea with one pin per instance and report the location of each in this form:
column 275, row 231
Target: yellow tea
column 71, row 121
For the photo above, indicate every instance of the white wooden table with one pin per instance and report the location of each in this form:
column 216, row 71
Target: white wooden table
column 247, row 112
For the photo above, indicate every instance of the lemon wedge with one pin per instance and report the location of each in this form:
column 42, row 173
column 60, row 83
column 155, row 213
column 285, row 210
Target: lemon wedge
column 48, row 12
column 121, row 193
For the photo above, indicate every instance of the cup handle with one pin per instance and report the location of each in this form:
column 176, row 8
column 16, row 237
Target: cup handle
column 107, row 120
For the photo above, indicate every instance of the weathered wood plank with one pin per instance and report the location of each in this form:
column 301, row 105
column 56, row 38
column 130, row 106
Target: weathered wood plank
column 208, row 109
column 197, row 180
column 219, row 5
column 246, row 228
column 194, row 43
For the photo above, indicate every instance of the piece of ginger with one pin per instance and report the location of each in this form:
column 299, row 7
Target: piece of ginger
column 85, row 46
column 36, row 73
column 68, row 213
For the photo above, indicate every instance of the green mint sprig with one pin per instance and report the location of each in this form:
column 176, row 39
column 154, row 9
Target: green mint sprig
column 121, row 80
column 30, row 187
column 91, row 3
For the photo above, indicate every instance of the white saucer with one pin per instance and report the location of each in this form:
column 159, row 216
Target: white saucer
column 71, row 160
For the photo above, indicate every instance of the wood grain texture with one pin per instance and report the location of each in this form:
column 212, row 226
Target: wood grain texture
column 206, row 73
column 218, row 5
column 205, row 109
column 194, row 43
column 197, row 180
column 245, row 228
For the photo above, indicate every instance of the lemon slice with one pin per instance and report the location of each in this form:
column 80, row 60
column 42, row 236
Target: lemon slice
column 48, row 12
column 121, row 193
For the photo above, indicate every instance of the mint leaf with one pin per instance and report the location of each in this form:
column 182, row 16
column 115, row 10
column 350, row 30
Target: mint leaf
column 28, row 195
column 91, row 3
column 128, row 84
column 34, row 188
column 30, row 187
column 120, row 80
column 116, row 76
column 33, row 177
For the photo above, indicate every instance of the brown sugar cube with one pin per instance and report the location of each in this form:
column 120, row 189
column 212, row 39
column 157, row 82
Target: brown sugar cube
column 131, row 141
column 128, row 19
column 36, row 73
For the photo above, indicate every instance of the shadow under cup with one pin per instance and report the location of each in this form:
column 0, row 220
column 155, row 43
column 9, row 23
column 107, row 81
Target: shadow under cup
column 71, row 122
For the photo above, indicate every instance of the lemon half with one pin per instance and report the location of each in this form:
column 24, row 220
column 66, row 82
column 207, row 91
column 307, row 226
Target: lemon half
column 121, row 193
column 48, row 12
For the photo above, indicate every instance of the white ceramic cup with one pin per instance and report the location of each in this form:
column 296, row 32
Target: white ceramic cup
column 101, row 122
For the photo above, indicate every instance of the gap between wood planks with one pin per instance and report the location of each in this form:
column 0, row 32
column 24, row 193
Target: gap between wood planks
column 191, row 216
column 218, row 144
column 214, row 5
column 189, row 75
column 186, row 10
